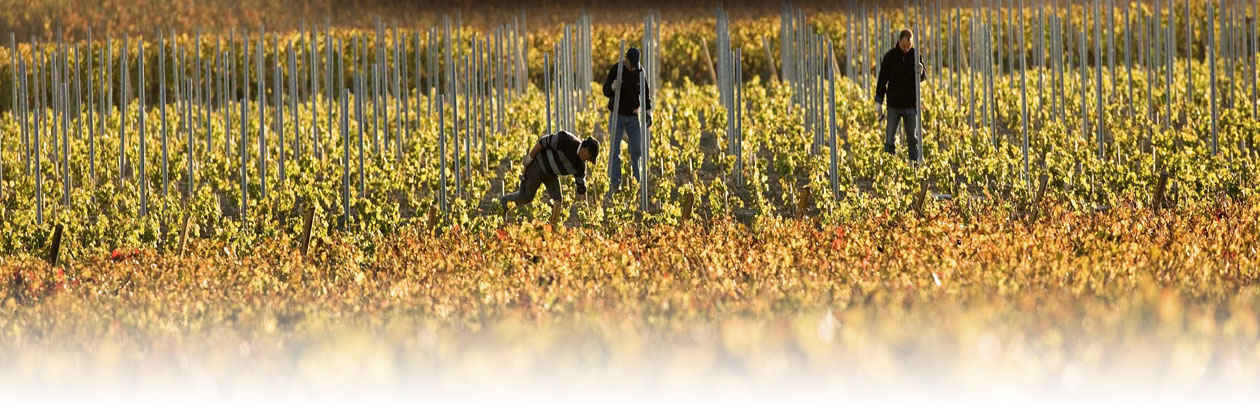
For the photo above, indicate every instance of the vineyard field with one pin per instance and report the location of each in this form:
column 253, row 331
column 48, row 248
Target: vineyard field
column 318, row 208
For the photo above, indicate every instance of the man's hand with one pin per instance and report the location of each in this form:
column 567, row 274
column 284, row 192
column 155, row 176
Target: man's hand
column 879, row 109
column 616, row 85
column 918, row 68
column 528, row 159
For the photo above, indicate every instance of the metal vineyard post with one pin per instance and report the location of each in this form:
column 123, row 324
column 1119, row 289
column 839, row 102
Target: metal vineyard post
column 293, row 111
column 1185, row 115
column 329, row 93
column 612, row 112
column 643, row 175
column 1098, row 76
column 122, row 134
column 23, row 115
column 547, row 89
column 90, row 111
column 162, row 109
column 242, row 142
column 400, row 111
column 1211, row 59
column 1083, row 85
column 345, row 163
column 1023, row 95
column 831, row 122
column 36, row 148
column 229, row 93
column 1252, row 57
column 262, row 112
column 313, row 60
column 442, row 152
column 1170, row 39
column 144, row 178
column 277, row 83
column 107, row 102
column 359, row 92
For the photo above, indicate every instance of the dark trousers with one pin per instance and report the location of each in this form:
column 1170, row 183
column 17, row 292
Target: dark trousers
column 531, row 178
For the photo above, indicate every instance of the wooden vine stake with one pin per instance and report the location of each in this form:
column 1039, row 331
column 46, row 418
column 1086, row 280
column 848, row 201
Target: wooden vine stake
column 1036, row 203
column 802, row 202
column 431, row 220
column 708, row 61
column 183, row 234
column 919, row 197
column 306, row 229
column 1161, row 189
column 689, row 201
column 55, row 249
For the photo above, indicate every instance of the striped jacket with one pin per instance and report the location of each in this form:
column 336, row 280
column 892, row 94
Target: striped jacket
column 559, row 156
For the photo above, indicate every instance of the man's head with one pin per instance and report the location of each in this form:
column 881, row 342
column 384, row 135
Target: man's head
column 632, row 58
column 906, row 40
column 589, row 150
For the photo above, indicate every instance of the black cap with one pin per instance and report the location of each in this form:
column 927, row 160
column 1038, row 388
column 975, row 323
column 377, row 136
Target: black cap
column 591, row 144
column 632, row 54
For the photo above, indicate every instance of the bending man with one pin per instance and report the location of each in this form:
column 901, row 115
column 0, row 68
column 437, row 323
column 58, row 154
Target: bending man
column 553, row 156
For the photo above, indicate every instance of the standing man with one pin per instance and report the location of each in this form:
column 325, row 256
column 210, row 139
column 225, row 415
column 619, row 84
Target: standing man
column 552, row 156
column 627, row 114
column 899, row 75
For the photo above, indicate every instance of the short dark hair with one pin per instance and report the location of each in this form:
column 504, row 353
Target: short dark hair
column 591, row 145
column 905, row 33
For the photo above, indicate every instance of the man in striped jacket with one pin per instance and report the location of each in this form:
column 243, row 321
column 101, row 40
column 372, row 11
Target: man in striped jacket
column 552, row 156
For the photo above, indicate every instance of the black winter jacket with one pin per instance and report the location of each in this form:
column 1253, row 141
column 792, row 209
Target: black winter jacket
column 896, row 79
column 629, row 90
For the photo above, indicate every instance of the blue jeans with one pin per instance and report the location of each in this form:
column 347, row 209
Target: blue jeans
column 628, row 124
column 911, row 117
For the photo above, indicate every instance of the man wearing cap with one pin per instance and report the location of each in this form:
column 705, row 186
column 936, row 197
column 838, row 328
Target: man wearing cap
column 627, row 111
column 554, row 155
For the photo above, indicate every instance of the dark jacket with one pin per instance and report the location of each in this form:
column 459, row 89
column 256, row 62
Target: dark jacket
column 629, row 90
column 896, row 79
column 559, row 156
